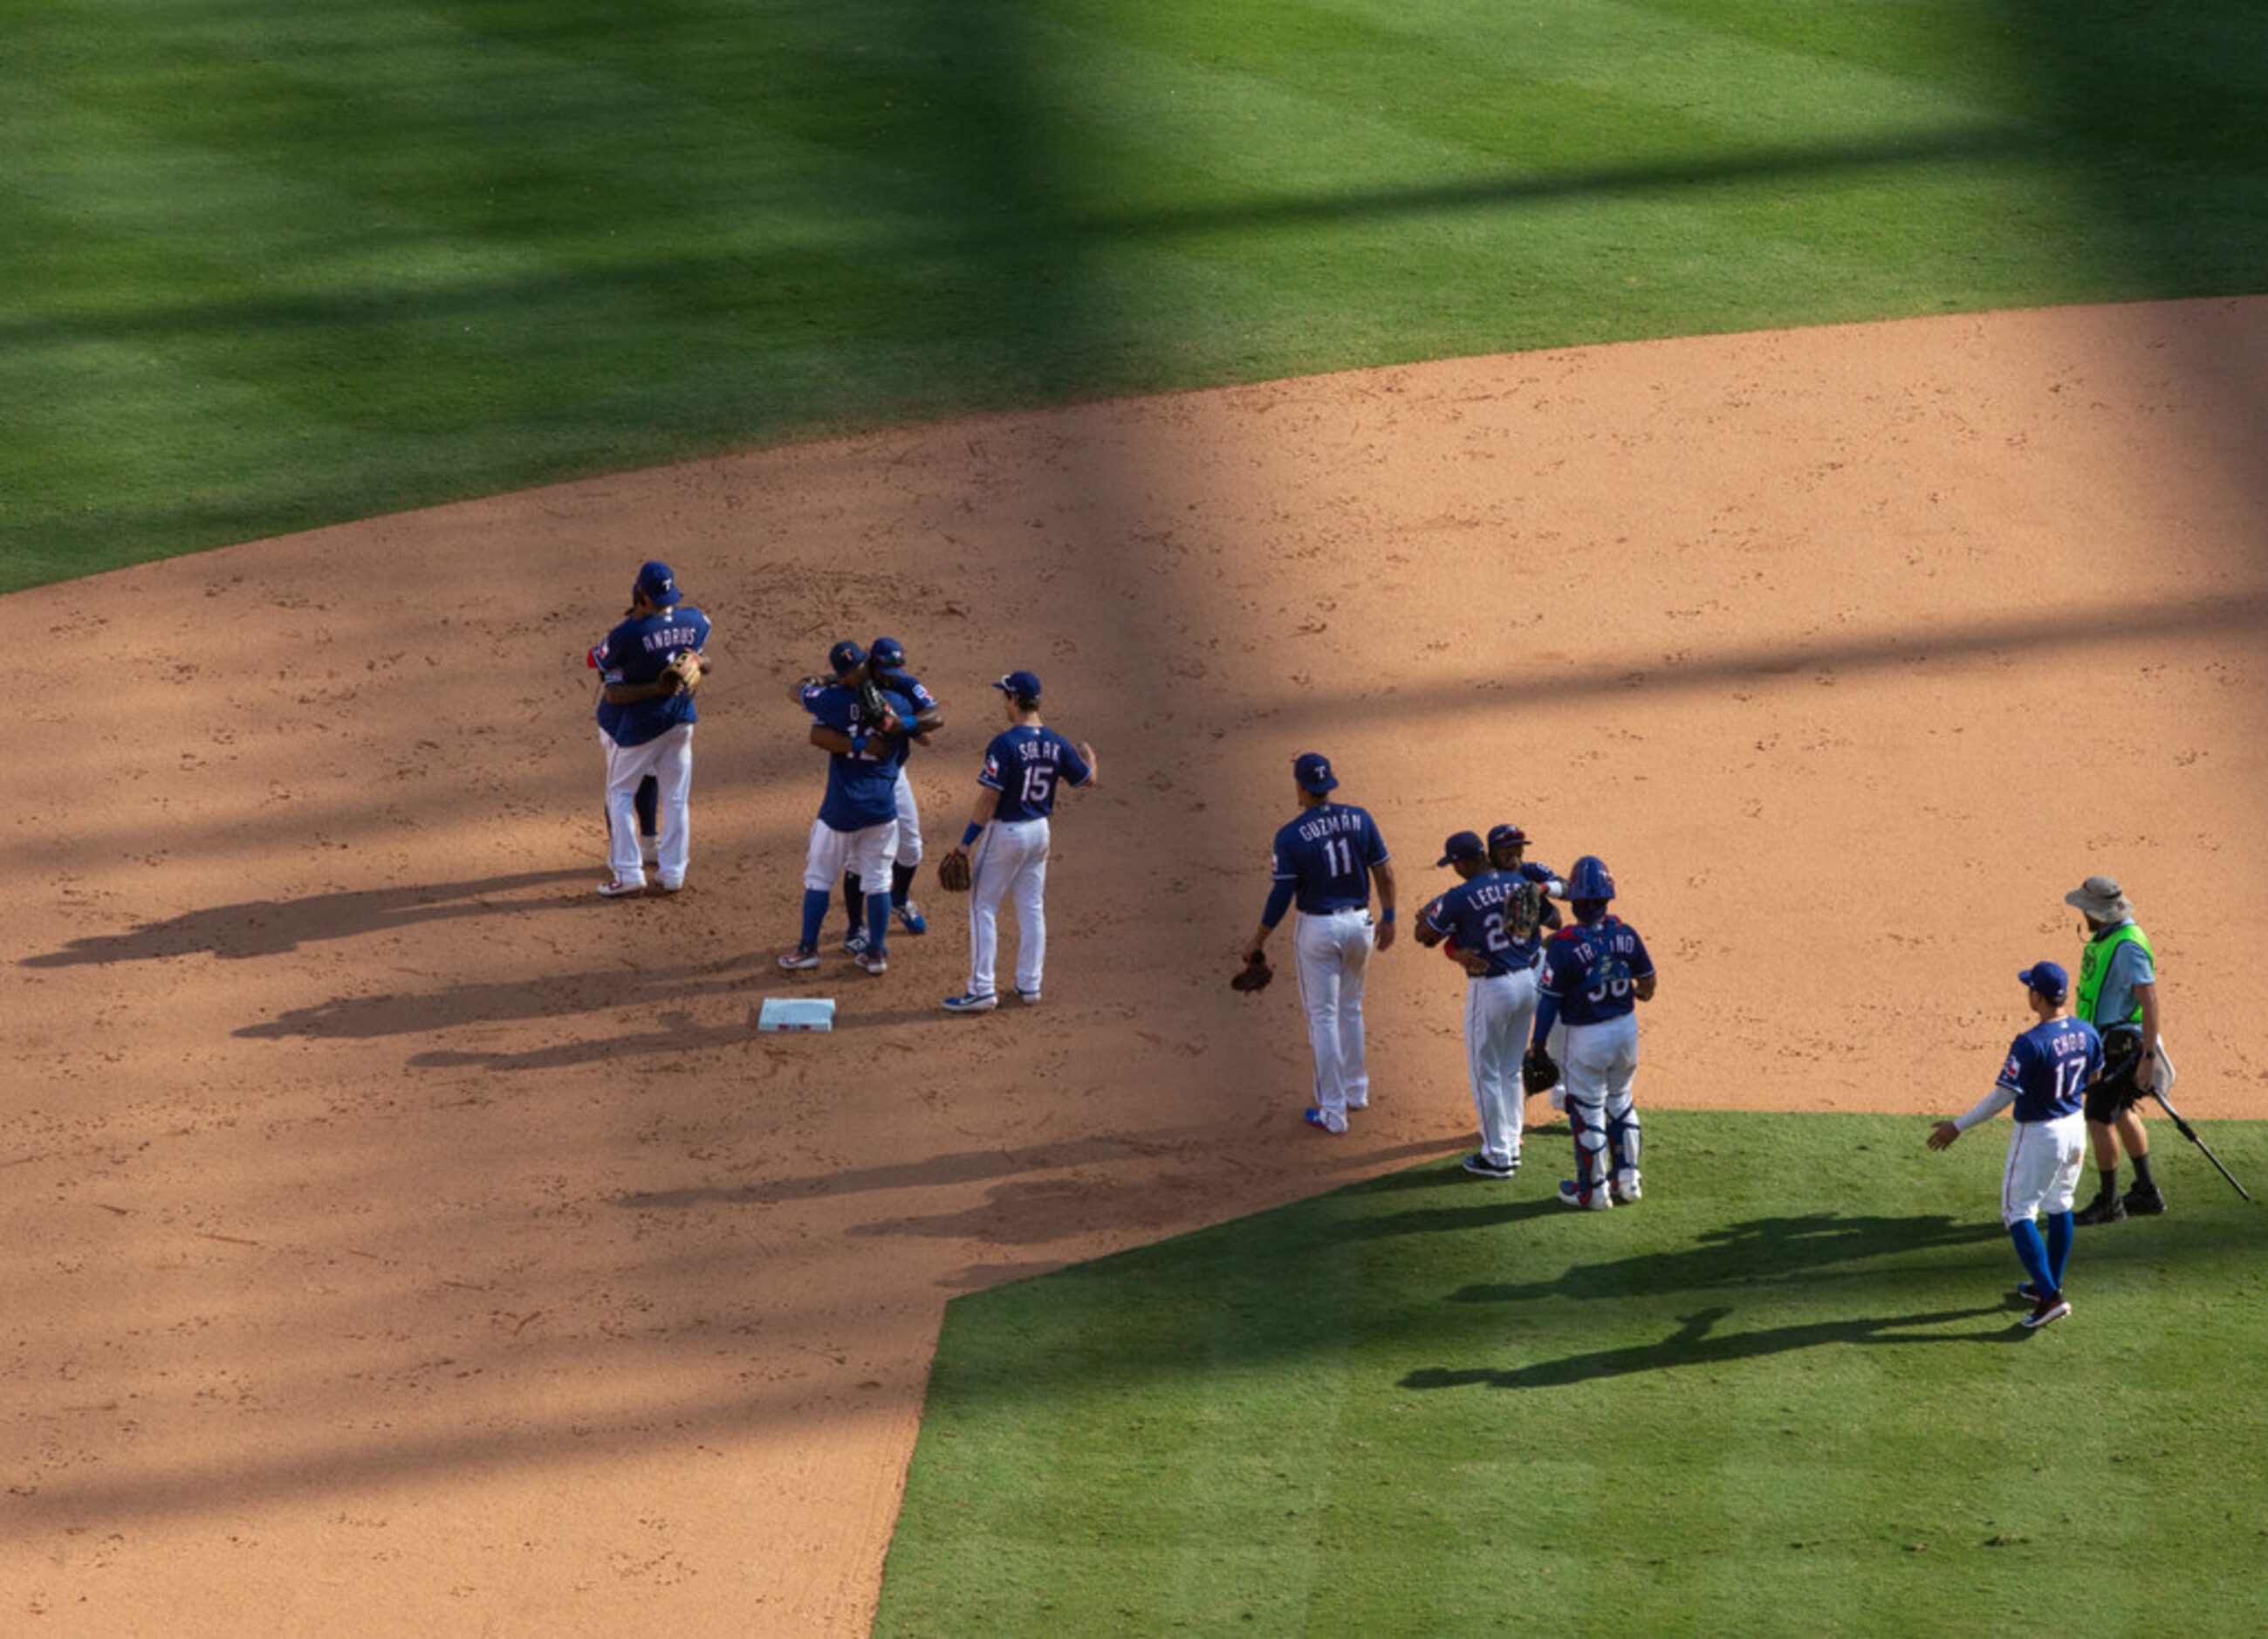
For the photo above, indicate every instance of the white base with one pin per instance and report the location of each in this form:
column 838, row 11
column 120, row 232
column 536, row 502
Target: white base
column 797, row 1013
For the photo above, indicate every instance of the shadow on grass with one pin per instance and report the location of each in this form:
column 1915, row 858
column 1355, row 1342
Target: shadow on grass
column 1697, row 1342
column 1752, row 1253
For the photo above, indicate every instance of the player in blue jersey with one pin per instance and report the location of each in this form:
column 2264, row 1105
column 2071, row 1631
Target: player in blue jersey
column 1507, row 846
column 645, row 725
column 1490, row 918
column 2049, row 1069
column 1594, row 971
column 886, row 664
column 1324, row 861
column 857, row 822
column 1026, row 765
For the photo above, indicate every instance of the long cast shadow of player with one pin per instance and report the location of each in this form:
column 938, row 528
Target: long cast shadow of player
column 1697, row 1342
column 266, row 927
column 1761, row 1251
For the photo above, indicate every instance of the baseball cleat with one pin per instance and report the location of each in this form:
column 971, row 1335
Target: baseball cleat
column 1625, row 1193
column 1362, row 1103
column 872, row 961
column 1321, row 1121
column 971, row 1004
column 617, row 889
column 855, row 943
column 2143, row 1203
column 1029, row 998
column 1596, row 1199
column 669, row 888
column 2102, row 1209
column 910, row 918
column 1481, row 1167
column 2026, row 1294
column 2050, row 1310
column 800, row 958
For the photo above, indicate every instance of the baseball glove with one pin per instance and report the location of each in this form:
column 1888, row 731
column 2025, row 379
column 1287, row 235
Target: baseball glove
column 1539, row 1072
column 1254, row 975
column 879, row 717
column 953, row 872
column 683, row 672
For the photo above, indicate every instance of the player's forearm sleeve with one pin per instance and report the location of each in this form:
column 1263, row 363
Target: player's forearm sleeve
column 1991, row 1104
column 1547, row 1015
column 1279, row 900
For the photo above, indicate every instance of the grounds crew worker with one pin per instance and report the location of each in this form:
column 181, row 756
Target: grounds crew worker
column 2118, row 995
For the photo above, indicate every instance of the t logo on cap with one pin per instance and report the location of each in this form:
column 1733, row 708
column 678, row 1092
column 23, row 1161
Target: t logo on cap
column 1463, row 845
column 846, row 657
column 1022, row 685
column 1313, row 770
column 656, row 585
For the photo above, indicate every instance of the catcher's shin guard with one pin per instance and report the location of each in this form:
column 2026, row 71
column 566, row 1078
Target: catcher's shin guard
column 1623, row 1137
column 1590, row 1145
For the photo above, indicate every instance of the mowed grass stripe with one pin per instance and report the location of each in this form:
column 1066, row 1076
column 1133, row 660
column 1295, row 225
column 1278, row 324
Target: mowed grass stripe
column 464, row 245
column 1785, row 1390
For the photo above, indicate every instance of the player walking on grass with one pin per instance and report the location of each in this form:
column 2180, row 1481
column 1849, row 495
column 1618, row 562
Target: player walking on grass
column 2118, row 995
column 1324, row 861
column 1025, row 767
column 1594, row 973
column 2050, row 1068
column 1490, row 920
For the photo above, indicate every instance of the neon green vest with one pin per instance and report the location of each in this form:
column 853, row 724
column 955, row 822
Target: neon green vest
column 2095, row 962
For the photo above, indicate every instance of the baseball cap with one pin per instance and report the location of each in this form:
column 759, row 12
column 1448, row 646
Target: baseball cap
column 1313, row 770
column 657, row 584
column 1501, row 835
column 1463, row 845
column 2047, row 978
column 887, row 651
column 1023, row 684
column 846, row 657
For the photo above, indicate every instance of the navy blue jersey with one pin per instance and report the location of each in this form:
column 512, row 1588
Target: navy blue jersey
column 2047, row 1065
column 637, row 651
column 908, row 685
column 1026, row 764
column 1328, row 853
column 1589, row 968
column 862, row 787
column 1494, row 915
column 1543, row 875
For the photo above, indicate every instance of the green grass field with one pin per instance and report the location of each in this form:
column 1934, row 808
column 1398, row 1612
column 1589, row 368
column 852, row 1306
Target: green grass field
column 271, row 266
column 1783, row 1394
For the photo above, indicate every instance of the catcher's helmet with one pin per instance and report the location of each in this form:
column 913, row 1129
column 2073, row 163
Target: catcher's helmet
column 1590, row 879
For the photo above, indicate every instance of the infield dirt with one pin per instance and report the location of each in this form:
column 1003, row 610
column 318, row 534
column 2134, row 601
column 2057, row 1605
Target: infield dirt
column 407, row 1239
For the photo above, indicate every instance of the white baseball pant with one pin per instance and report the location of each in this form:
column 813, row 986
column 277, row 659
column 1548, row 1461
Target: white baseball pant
column 910, row 844
column 866, row 851
column 1601, row 1062
column 668, row 757
column 1331, row 954
column 1498, row 1013
column 2041, row 1173
column 1012, row 859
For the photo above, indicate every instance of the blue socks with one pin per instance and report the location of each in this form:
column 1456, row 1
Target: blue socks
column 2059, row 1245
column 878, row 920
column 2033, row 1252
column 814, row 915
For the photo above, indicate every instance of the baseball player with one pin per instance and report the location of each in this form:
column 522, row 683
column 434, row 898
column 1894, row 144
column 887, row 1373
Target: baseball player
column 857, row 822
column 1507, row 845
column 2049, row 1067
column 886, row 664
column 646, row 715
column 1594, row 971
column 1489, row 920
column 1324, row 861
column 1024, row 766
column 2118, row 996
